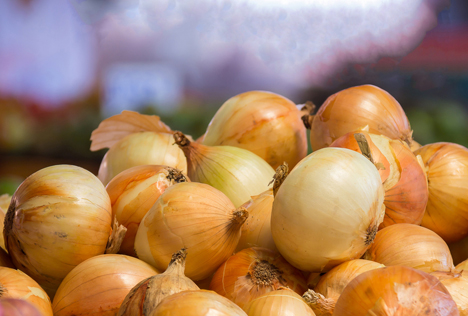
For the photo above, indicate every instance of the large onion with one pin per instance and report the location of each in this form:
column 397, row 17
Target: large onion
column 253, row 272
column 58, row 217
column 194, row 216
column 236, row 172
column 354, row 108
column 263, row 122
column 447, row 175
column 99, row 285
column 395, row 291
column 327, row 210
column 134, row 191
column 411, row 246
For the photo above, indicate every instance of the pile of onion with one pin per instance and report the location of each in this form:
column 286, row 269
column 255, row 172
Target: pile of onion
column 327, row 210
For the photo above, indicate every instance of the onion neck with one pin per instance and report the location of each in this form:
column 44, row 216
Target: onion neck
column 116, row 238
column 279, row 177
column 307, row 119
column 177, row 263
column 239, row 216
column 365, row 149
column 370, row 234
column 321, row 305
column 181, row 139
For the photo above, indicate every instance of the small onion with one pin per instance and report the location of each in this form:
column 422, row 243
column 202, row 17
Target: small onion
column 197, row 303
column 354, row 108
column 323, row 298
column 17, row 307
column 236, row 172
column 58, row 217
column 280, row 302
column 263, row 122
column 253, row 272
column 447, row 175
column 146, row 295
column 327, row 210
column 16, row 284
column 134, row 191
column 396, row 291
column 411, row 246
column 194, row 216
column 99, row 285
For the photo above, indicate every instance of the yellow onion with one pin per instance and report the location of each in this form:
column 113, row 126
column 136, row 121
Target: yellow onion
column 146, row 295
column 17, row 307
column 395, row 291
column 236, row 172
column 327, row 210
column 447, row 175
column 135, row 139
column 411, row 246
column 16, row 284
column 323, row 298
column 197, row 303
column 253, row 272
column 99, row 285
column 263, row 122
column 456, row 282
column 280, row 302
column 459, row 250
column 5, row 200
column 402, row 176
column 194, row 216
column 58, row 217
column 352, row 109
column 134, row 191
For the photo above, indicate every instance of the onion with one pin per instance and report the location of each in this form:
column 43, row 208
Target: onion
column 263, row 122
column 16, row 284
column 411, row 246
column 402, row 176
column 253, row 272
column 58, row 217
column 146, row 295
column 5, row 200
column 462, row 265
column 459, row 250
column 396, row 291
column 456, row 283
column 197, row 303
column 280, row 302
column 236, row 172
column 194, row 216
column 447, row 175
column 17, row 307
column 134, row 139
column 327, row 210
column 351, row 109
column 99, row 285
column 323, row 298
column 134, row 191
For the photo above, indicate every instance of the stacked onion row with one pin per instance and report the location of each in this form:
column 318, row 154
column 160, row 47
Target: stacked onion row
column 243, row 222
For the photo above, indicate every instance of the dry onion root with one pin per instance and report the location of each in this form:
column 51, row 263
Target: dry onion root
column 253, row 272
column 134, row 191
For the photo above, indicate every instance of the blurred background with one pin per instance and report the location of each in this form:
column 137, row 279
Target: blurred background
column 67, row 65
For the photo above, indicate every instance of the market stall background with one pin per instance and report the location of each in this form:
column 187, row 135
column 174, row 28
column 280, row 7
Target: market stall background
column 65, row 66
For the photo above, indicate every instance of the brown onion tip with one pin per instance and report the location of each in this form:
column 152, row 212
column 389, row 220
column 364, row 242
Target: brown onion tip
column 370, row 234
column 179, row 256
column 307, row 120
column 240, row 215
column 278, row 179
column 319, row 303
column 176, row 175
column 181, row 139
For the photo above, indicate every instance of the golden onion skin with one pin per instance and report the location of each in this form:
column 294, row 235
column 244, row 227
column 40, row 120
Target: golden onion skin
column 280, row 302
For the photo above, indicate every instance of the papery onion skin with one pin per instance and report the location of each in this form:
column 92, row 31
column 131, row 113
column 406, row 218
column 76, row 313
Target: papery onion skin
column 5, row 200
column 447, row 174
column 59, row 216
column 17, row 284
column 17, row 307
column 134, row 191
column 263, row 122
column 279, row 302
column 99, row 285
column 194, row 216
column 396, row 291
column 144, row 148
column 462, row 265
column 411, row 246
column 352, row 109
column 456, row 283
column 332, row 190
column 197, row 303
column 253, row 272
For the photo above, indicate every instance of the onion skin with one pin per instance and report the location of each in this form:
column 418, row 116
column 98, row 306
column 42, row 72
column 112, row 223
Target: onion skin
column 5, row 200
column 197, row 303
column 17, row 307
column 456, row 283
column 447, row 174
column 253, row 272
column 59, row 216
column 134, row 191
column 352, row 109
column 263, row 122
column 16, row 284
column 462, row 265
column 411, row 246
column 395, row 291
column 280, row 302
column 99, row 285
